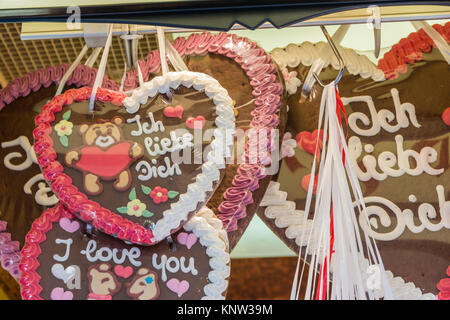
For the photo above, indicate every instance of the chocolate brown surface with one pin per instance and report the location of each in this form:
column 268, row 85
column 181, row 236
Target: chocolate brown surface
column 80, row 241
column 420, row 257
column 9, row 286
column 194, row 103
column 233, row 78
column 17, row 208
column 263, row 278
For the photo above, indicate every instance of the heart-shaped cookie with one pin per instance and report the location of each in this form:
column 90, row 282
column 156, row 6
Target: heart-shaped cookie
column 131, row 170
column 105, row 268
column 24, row 194
column 400, row 144
column 254, row 83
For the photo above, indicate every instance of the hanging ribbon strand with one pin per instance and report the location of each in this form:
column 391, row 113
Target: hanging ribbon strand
column 101, row 69
column 336, row 260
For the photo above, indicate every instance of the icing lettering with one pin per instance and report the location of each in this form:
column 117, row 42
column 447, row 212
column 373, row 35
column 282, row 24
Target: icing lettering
column 148, row 171
column 74, row 282
column 404, row 218
column 105, row 254
column 145, row 127
column 42, row 196
column 382, row 118
column 387, row 161
column 167, row 145
column 173, row 265
column 68, row 243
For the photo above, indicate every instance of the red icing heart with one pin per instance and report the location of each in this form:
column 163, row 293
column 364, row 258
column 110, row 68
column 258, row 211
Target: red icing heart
column 195, row 123
column 446, row 116
column 307, row 141
column 305, row 183
column 173, row 112
column 105, row 163
column 124, row 272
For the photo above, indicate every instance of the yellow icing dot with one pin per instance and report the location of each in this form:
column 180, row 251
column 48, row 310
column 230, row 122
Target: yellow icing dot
column 234, row 103
column 235, row 112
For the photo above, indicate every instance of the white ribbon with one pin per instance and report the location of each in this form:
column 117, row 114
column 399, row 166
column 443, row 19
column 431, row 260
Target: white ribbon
column 337, row 185
column 101, row 69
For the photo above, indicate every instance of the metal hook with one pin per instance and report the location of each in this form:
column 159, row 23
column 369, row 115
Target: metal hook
column 336, row 53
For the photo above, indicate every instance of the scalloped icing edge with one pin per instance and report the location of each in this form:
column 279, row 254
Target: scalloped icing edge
column 220, row 145
column 306, row 53
column 204, row 226
column 267, row 91
column 409, row 50
column 280, row 209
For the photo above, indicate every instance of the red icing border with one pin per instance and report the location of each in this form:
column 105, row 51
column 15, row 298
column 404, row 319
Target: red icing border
column 444, row 287
column 409, row 50
column 22, row 87
column 29, row 279
column 61, row 184
column 267, row 92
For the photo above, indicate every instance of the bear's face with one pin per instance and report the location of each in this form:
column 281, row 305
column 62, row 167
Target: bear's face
column 144, row 286
column 102, row 281
column 102, row 134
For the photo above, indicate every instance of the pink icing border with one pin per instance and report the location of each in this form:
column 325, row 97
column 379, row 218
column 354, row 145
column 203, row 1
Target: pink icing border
column 29, row 279
column 61, row 184
column 267, row 91
column 409, row 50
column 22, row 87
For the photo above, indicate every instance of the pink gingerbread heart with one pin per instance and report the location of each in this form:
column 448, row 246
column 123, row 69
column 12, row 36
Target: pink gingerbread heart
column 446, row 116
column 124, row 272
column 172, row 112
column 177, row 286
column 187, row 239
column 69, row 226
column 195, row 123
column 59, row 294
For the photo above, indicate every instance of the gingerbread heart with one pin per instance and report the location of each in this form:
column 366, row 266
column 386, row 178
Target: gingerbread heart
column 105, row 268
column 24, row 192
column 254, row 83
column 400, row 146
column 129, row 169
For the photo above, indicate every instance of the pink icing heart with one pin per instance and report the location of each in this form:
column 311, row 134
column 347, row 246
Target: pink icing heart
column 177, row 286
column 69, row 226
column 307, row 141
column 187, row 239
column 173, row 112
column 59, row 294
column 123, row 272
column 195, row 123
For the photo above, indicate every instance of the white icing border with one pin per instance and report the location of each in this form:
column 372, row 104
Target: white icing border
column 286, row 216
column 306, row 53
column 212, row 235
column 220, row 145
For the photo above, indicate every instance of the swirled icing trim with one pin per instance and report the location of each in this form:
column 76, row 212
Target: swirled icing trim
column 22, row 87
column 204, row 226
column 444, row 287
column 306, row 53
column 61, row 184
column 410, row 50
column 33, row 81
column 9, row 252
column 286, row 216
column 212, row 235
column 268, row 93
column 220, row 146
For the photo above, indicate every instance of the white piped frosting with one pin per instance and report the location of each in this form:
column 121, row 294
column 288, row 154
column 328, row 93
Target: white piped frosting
column 287, row 217
column 306, row 53
column 212, row 235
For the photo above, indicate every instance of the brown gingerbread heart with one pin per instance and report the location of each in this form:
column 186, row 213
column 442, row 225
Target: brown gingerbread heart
column 132, row 171
column 61, row 260
column 400, row 144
